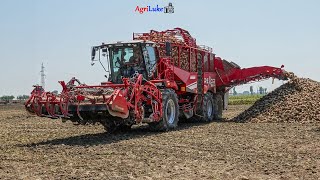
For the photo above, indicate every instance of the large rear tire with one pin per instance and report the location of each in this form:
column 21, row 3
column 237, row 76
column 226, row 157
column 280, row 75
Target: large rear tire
column 218, row 101
column 170, row 112
column 209, row 108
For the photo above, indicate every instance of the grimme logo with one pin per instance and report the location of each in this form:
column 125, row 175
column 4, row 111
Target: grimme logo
column 167, row 9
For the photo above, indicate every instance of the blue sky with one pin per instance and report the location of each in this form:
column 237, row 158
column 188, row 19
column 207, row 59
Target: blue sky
column 61, row 33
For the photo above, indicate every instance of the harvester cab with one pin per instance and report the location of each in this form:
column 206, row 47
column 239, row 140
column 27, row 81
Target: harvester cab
column 125, row 59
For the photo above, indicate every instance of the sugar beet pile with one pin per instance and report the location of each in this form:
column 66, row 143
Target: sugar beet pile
column 296, row 101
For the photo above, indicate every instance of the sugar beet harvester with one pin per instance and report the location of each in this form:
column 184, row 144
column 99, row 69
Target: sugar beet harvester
column 157, row 78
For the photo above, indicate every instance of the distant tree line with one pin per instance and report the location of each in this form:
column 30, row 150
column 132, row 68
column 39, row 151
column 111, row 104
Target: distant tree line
column 8, row 98
column 23, row 97
column 260, row 90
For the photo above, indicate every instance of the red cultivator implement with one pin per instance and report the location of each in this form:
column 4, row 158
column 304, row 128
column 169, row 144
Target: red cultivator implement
column 157, row 78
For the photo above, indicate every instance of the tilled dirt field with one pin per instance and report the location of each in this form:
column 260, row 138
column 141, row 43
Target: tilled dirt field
column 33, row 147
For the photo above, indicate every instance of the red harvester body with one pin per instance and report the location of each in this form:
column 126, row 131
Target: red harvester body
column 158, row 78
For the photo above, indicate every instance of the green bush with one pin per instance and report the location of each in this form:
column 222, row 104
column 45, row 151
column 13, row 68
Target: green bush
column 243, row 99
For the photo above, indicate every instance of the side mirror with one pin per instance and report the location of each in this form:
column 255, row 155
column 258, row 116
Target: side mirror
column 93, row 53
column 168, row 49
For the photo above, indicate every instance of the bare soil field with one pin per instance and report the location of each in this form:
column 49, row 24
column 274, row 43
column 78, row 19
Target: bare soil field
column 40, row 148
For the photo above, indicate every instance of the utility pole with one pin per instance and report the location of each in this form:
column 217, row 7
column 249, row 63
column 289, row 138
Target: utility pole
column 42, row 76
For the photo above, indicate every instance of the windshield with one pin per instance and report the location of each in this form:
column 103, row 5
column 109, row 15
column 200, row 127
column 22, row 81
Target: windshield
column 125, row 61
column 120, row 56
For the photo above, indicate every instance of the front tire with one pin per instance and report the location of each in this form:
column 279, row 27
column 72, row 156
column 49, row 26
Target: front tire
column 111, row 126
column 170, row 112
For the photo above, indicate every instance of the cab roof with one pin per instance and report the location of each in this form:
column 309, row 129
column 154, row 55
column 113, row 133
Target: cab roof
column 129, row 42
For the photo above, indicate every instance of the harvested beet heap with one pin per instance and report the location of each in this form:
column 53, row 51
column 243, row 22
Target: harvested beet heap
column 296, row 101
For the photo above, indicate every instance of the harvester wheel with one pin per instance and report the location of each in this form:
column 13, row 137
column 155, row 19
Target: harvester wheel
column 111, row 127
column 170, row 112
column 124, row 128
column 209, row 108
column 218, row 101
